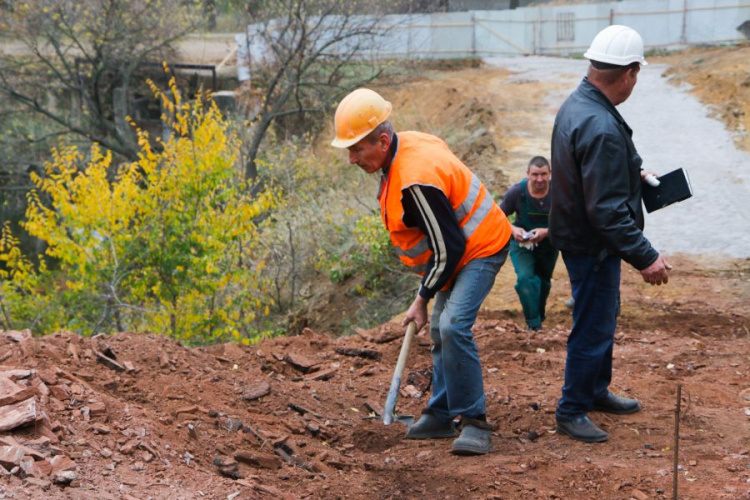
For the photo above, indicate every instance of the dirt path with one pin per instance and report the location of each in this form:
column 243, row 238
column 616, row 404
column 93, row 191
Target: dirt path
column 671, row 129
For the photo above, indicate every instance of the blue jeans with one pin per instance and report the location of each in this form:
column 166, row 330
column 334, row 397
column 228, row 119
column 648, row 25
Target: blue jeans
column 588, row 367
column 457, row 386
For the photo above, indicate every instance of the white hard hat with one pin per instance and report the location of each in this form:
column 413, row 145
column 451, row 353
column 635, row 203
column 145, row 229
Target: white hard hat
column 618, row 45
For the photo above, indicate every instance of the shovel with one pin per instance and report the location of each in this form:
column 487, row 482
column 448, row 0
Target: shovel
column 390, row 402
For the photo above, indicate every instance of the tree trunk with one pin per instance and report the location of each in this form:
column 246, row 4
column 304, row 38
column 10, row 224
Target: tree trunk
column 251, row 169
column 209, row 7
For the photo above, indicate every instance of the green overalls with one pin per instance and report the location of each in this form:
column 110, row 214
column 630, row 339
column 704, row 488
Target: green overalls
column 533, row 267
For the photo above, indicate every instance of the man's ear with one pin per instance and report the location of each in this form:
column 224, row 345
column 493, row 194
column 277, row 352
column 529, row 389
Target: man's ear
column 624, row 77
column 385, row 141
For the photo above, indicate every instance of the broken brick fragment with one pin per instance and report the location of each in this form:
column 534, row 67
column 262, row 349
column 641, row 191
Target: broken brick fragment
column 321, row 375
column 10, row 456
column 62, row 463
column 18, row 414
column 129, row 447
column 97, row 408
column 11, row 393
column 300, row 362
column 256, row 392
column 18, row 336
column 186, row 409
column 259, row 460
column 100, row 429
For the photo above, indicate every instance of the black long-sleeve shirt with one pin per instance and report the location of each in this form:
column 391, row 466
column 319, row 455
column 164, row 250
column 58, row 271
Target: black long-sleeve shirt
column 428, row 208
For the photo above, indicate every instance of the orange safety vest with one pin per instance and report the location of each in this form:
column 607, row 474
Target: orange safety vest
column 426, row 160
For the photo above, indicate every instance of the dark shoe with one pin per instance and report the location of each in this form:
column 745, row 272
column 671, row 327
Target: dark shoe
column 617, row 405
column 475, row 438
column 582, row 429
column 430, row 427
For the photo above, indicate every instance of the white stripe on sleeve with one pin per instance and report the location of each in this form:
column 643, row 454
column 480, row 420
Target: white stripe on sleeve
column 436, row 237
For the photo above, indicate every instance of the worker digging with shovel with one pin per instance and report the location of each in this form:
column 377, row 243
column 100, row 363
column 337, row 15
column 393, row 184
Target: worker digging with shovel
column 446, row 227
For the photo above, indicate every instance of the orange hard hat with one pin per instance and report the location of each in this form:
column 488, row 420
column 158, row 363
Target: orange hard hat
column 357, row 115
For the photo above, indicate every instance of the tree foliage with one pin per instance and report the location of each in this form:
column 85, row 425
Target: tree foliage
column 312, row 54
column 70, row 62
column 169, row 245
column 168, row 242
column 327, row 239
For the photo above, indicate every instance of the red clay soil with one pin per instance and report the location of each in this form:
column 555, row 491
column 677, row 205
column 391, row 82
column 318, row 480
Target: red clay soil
column 290, row 417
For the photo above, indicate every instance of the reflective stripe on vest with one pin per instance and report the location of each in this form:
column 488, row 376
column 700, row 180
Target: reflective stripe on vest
column 414, row 251
column 479, row 214
column 461, row 211
column 465, row 207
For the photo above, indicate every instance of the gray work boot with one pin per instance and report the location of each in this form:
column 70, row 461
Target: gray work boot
column 475, row 438
column 617, row 405
column 431, row 427
column 581, row 428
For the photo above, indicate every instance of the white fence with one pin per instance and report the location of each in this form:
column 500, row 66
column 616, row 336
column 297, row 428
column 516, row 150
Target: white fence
column 558, row 30
column 570, row 29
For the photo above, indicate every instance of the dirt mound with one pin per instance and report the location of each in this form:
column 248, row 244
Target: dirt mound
column 461, row 108
column 140, row 416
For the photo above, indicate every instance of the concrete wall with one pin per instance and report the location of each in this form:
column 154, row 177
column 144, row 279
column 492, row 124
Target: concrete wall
column 467, row 5
column 443, row 35
column 552, row 30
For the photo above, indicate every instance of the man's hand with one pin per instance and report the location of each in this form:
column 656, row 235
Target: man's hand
column 417, row 313
column 539, row 234
column 644, row 173
column 656, row 273
column 518, row 233
column 649, row 178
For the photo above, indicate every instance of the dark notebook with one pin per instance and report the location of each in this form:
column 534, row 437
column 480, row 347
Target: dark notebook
column 673, row 187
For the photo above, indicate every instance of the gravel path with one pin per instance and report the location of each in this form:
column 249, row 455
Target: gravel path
column 671, row 129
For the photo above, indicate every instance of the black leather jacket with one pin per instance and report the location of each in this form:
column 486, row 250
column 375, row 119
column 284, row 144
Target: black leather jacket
column 596, row 195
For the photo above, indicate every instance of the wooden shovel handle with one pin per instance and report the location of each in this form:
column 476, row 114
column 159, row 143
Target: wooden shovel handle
column 390, row 401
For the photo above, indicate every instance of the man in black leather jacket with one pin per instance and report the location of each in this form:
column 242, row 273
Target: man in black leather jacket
column 596, row 220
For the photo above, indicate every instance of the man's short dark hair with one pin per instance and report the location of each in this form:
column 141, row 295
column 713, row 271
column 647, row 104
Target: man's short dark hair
column 609, row 73
column 538, row 161
column 384, row 128
column 605, row 66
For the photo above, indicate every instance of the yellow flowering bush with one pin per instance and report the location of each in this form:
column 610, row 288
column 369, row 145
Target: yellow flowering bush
column 20, row 283
column 168, row 243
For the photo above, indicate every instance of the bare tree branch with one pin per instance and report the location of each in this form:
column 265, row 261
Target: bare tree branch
column 83, row 52
column 313, row 54
column 35, row 106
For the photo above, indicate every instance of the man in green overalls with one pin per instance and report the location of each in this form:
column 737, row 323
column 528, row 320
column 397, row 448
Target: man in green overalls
column 532, row 254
